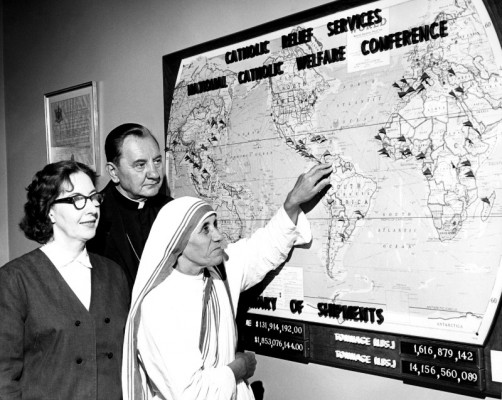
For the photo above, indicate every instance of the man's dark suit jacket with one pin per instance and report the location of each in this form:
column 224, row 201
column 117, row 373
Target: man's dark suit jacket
column 51, row 346
column 116, row 233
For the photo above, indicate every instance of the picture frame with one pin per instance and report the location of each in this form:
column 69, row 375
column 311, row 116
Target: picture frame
column 72, row 125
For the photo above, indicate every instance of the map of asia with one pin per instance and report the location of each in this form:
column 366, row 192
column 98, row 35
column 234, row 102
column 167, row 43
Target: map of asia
column 404, row 99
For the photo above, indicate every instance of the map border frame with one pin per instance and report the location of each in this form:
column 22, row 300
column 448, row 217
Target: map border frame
column 171, row 62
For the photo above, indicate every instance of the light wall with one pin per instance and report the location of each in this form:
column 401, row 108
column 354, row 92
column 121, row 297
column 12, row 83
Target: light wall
column 53, row 44
column 4, row 238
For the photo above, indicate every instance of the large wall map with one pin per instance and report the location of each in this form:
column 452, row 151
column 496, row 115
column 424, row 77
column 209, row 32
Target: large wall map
column 404, row 98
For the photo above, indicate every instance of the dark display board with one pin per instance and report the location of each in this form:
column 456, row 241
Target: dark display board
column 403, row 277
column 443, row 365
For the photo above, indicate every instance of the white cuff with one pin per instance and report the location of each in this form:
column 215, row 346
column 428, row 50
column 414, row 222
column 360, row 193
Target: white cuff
column 302, row 228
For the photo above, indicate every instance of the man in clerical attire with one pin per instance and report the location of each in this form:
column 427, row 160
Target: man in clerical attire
column 132, row 199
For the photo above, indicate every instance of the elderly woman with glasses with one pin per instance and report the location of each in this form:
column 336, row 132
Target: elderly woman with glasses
column 62, row 309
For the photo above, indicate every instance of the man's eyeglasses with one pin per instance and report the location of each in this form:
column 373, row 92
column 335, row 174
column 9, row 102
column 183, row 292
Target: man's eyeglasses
column 79, row 201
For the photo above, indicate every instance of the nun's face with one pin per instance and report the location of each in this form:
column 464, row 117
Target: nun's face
column 204, row 248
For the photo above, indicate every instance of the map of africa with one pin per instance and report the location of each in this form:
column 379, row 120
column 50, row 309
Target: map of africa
column 411, row 223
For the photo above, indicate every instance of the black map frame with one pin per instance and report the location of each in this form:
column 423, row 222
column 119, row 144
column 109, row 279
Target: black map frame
column 310, row 342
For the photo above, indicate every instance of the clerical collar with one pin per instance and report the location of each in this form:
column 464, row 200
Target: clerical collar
column 137, row 204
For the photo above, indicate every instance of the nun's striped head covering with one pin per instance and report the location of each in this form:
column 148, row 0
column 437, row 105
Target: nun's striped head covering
column 167, row 240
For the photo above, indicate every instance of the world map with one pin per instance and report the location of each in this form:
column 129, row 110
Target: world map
column 411, row 222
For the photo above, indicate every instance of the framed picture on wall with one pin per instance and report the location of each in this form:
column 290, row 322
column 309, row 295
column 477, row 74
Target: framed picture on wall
column 71, row 124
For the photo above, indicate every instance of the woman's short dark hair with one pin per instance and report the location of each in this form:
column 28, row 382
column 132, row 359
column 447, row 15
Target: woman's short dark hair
column 46, row 186
column 115, row 139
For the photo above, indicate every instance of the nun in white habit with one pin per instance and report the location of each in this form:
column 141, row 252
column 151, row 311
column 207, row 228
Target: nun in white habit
column 180, row 340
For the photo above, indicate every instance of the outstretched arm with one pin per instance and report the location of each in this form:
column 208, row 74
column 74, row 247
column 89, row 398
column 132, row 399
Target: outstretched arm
column 250, row 259
column 307, row 186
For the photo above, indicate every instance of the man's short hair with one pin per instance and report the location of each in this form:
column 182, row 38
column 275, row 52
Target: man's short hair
column 115, row 139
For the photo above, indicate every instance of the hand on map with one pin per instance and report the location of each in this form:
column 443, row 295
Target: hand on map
column 309, row 185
